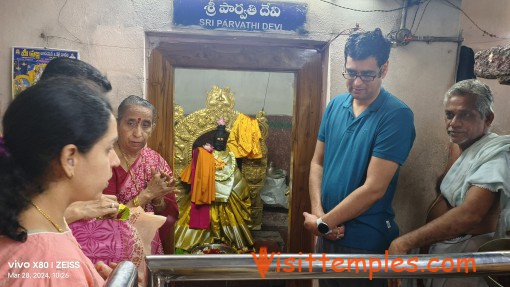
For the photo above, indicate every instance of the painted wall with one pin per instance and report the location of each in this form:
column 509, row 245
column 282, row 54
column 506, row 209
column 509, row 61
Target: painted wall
column 111, row 36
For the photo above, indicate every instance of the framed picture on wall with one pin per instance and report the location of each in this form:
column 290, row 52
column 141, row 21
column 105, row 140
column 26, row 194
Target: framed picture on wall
column 29, row 63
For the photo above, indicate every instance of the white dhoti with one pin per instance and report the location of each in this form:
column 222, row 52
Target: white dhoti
column 461, row 244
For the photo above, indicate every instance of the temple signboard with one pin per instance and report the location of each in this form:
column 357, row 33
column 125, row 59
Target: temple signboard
column 240, row 15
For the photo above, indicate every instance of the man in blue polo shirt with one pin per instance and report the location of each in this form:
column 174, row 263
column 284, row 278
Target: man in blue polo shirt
column 364, row 137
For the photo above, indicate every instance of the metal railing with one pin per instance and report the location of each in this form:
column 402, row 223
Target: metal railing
column 124, row 275
column 168, row 268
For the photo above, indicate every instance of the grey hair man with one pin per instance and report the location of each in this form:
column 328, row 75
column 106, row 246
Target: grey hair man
column 466, row 211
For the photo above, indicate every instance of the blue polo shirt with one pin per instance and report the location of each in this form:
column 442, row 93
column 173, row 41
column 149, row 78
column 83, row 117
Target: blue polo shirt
column 384, row 130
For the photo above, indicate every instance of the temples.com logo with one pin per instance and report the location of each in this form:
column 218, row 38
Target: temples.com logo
column 263, row 260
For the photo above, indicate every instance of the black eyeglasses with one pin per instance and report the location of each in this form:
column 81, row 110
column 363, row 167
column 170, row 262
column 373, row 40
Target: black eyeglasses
column 365, row 77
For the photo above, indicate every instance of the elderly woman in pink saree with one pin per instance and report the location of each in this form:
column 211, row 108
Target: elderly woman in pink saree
column 135, row 188
column 143, row 178
column 143, row 181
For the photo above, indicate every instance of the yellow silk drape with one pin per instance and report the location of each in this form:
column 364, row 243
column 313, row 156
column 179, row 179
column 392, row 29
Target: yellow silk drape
column 244, row 138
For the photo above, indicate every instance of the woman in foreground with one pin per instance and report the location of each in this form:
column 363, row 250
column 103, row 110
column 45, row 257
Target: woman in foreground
column 58, row 149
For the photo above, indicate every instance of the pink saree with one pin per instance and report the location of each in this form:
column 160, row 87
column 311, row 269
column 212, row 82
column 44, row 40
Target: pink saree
column 109, row 240
column 116, row 240
column 124, row 186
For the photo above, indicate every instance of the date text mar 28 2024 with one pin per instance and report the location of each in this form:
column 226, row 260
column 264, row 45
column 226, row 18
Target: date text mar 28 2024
column 40, row 269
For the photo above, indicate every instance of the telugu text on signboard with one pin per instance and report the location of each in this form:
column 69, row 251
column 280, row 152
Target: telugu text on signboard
column 240, row 15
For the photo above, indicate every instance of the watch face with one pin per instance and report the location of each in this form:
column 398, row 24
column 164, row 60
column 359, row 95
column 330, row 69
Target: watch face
column 323, row 228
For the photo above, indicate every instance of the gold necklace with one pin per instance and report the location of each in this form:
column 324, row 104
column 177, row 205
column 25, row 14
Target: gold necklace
column 133, row 179
column 47, row 217
column 124, row 156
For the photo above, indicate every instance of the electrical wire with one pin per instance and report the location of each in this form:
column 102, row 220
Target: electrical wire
column 265, row 95
column 369, row 11
column 414, row 18
column 421, row 17
column 485, row 32
column 63, row 26
column 345, row 32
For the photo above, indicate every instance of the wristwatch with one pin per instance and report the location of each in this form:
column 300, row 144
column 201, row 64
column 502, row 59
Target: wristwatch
column 323, row 226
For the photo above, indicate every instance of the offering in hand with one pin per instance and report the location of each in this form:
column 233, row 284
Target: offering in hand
column 123, row 212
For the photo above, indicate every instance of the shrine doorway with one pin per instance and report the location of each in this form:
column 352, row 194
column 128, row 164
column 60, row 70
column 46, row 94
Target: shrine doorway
column 307, row 60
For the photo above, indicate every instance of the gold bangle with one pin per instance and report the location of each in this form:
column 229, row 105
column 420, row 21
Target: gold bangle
column 136, row 203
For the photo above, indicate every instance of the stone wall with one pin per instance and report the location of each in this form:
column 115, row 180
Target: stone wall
column 494, row 63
